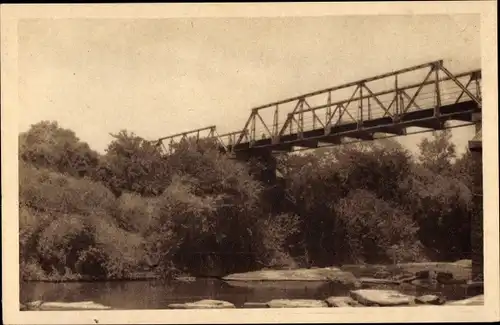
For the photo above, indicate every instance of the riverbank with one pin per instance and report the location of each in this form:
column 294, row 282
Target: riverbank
column 460, row 270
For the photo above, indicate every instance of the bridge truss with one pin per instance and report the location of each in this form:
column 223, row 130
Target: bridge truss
column 424, row 96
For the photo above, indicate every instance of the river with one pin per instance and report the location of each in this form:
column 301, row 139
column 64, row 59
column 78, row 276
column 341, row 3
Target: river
column 156, row 294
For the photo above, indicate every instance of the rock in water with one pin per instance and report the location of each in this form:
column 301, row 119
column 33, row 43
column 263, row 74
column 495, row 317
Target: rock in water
column 371, row 297
column 82, row 305
column 296, row 303
column 430, row 300
column 464, row 263
column 255, row 305
column 341, row 302
column 317, row 274
column 473, row 301
column 203, row 304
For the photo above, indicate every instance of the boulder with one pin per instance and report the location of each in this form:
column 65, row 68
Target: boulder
column 81, row 305
column 346, row 279
column 424, row 270
column 371, row 297
column 424, row 284
column 421, row 275
column 33, row 305
column 460, row 269
column 203, row 304
column 296, row 303
column 464, row 263
column 473, row 301
column 341, row 302
column 430, row 300
column 445, row 277
column 255, row 305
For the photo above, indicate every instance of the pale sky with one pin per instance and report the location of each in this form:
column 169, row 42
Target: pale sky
column 157, row 77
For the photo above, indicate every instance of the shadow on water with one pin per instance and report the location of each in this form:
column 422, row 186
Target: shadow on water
column 157, row 294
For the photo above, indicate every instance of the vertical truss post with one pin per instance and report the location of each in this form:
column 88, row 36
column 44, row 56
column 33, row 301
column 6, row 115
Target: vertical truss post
column 396, row 97
column 275, row 135
column 328, row 121
column 401, row 102
column 301, row 119
column 478, row 86
column 369, row 110
column 437, row 108
column 360, row 115
column 314, row 120
column 252, row 129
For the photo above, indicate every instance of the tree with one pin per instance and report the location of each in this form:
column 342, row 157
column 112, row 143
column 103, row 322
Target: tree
column 441, row 205
column 133, row 164
column 438, row 153
column 47, row 145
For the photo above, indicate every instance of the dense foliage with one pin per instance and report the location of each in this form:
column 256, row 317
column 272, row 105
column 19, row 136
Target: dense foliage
column 195, row 210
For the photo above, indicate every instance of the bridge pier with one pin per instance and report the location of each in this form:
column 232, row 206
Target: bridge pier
column 264, row 157
column 476, row 149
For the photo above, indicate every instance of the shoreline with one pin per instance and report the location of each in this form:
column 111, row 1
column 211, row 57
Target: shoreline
column 459, row 269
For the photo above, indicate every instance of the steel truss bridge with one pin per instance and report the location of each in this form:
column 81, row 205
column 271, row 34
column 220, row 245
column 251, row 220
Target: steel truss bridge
column 392, row 104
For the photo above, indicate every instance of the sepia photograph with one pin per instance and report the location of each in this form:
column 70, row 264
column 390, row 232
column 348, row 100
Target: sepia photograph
column 232, row 162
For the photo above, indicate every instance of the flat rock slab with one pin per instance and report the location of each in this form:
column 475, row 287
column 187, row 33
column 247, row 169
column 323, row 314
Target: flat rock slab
column 473, row 301
column 342, row 302
column 316, row 274
column 56, row 305
column 296, row 303
column 371, row 297
column 286, row 285
column 430, row 300
column 203, row 304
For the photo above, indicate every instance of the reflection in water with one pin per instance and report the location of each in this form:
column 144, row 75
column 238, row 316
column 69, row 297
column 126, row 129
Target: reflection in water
column 156, row 294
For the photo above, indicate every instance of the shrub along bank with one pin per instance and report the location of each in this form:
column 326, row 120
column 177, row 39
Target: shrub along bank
column 194, row 210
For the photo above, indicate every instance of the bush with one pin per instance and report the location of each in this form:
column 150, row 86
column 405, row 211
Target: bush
column 119, row 252
column 51, row 192
column 62, row 242
column 374, row 230
column 134, row 213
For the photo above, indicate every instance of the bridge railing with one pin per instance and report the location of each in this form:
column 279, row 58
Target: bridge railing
column 387, row 95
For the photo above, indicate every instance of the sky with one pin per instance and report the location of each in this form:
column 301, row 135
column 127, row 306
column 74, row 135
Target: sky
column 156, row 77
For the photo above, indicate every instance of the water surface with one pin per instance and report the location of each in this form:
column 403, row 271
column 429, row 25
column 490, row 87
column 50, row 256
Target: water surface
column 157, row 294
